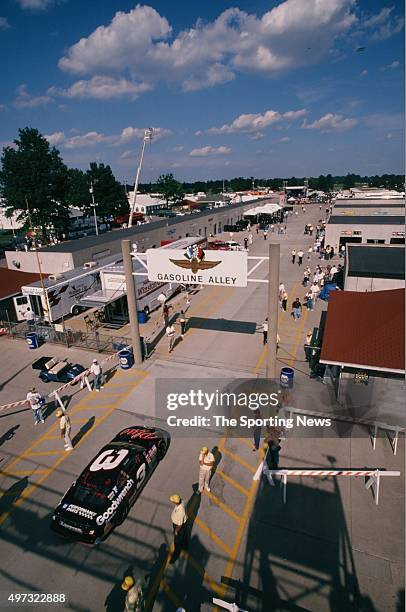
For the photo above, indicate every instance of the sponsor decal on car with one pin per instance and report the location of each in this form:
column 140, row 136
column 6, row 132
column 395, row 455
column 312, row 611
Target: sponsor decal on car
column 151, row 454
column 78, row 510
column 70, row 527
column 106, row 516
column 142, row 434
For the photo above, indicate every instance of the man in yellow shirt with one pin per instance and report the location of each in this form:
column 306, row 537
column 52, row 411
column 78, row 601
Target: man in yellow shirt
column 64, row 426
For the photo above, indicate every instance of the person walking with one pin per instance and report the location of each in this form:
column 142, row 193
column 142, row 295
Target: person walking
column 35, row 400
column 300, row 257
column 246, row 243
column 284, row 300
column 342, row 250
column 165, row 310
column 293, row 256
column 206, row 462
column 306, row 278
column 309, row 300
column 265, row 330
column 179, row 520
column 265, row 234
column 170, row 334
column 65, row 427
column 281, row 290
column 307, row 347
column 134, row 601
column 96, row 370
column 315, row 290
column 296, row 309
column 182, row 322
column 257, row 431
column 309, row 252
column 250, row 239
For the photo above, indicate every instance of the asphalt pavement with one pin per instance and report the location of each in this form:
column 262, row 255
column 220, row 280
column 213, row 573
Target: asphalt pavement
column 328, row 548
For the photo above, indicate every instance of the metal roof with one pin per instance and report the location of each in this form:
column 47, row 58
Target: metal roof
column 376, row 261
column 366, row 330
column 364, row 220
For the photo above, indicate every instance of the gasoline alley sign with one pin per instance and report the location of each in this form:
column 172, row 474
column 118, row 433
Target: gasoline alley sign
column 198, row 267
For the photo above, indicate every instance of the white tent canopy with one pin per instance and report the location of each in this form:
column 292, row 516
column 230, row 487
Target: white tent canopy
column 266, row 209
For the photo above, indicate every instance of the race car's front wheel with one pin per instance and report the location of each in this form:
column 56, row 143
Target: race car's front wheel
column 162, row 449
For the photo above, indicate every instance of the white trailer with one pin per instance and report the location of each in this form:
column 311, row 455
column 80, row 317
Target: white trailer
column 59, row 295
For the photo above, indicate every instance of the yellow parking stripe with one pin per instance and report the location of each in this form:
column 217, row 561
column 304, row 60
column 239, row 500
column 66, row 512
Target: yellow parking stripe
column 216, row 588
column 223, row 506
column 239, row 460
column 44, row 453
column 232, row 482
column 213, row 536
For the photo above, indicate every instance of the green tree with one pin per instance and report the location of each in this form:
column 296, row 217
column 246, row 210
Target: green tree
column 78, row 188
column 109, row 194
column 170, row 189
column 34, row 172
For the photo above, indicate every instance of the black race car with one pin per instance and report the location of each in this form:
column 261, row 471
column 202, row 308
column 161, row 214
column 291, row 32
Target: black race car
column 103, row 494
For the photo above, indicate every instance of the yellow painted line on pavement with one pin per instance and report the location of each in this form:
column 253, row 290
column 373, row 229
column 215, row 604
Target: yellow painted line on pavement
column 232, row 482
column 297, row 339
column 215, row 587
column 44, row 453
column 170, row 594
column 213, row 536
column 28, row 472
column 27, row 492
column 239, row 460
column 223, row 506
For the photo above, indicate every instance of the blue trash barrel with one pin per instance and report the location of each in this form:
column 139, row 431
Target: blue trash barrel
column 32, row 340
column 286, row 378
column 126, row 359
column 142, row 316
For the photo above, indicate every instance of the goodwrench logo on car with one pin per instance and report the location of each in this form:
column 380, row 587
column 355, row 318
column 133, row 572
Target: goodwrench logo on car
column 102, row 518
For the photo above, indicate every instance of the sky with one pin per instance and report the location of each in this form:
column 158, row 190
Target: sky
column 246, row 88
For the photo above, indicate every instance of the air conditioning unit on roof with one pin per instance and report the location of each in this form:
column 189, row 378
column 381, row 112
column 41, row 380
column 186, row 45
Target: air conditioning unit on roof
column 90, row 264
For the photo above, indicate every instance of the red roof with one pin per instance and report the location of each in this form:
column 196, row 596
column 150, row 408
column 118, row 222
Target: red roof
column 366, row 330
column 11, row 281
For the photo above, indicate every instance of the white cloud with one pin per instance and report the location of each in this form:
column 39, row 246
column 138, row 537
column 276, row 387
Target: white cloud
column 178, row 148
column 384, row 24
column 92, row 138
column 331, row 123
column 284, row 139
column 102, row 88
column 126, row 154
column 55, row 138
column 363, row 73
column 392, row 66
column 37, row 5
column 205, row 151
column 254, row 122
column 257, row 136
column 140, row 43
column 4, row 24
column 3, row 107
column 26, row 100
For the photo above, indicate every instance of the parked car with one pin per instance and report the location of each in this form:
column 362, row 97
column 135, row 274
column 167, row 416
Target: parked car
column 54, row 370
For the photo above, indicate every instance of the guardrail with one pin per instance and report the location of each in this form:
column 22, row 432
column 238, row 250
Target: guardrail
column 373, row 481
column 376, row 425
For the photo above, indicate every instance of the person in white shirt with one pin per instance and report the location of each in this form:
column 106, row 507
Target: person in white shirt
column 206, row 462
column 179, row 520
column 170, row 334
column 35, row 401
column 96, row 370
column 265, row 330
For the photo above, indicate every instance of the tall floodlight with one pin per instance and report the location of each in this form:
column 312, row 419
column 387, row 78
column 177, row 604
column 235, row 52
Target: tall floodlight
column 147, row 136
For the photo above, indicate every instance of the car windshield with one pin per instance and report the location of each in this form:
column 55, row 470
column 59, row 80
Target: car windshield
column 93, row 491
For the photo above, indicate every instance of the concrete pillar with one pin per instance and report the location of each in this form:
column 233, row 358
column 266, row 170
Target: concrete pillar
column 132, row 301
column 273, row 309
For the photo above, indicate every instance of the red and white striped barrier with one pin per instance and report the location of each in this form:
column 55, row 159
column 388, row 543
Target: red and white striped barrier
column 82, row 377
column 373, row 480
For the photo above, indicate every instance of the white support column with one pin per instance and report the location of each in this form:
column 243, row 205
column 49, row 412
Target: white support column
column 59, row 401
column 374, row 437
column 395, row 441
column 373, row 482
column 284, row 482
column 88, row 385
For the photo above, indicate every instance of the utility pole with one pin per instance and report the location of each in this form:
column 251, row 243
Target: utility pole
column 147, row 136
column 273, row 309
column 91, row 190
column 47, row 309
column 132, row 301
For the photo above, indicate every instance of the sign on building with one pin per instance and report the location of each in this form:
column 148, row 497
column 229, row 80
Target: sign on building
column 196, row 266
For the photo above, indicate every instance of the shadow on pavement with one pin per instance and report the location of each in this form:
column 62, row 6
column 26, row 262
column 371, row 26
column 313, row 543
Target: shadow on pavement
column 238, row 327
column 83, row 430
column 12, row 494
column 9, row 434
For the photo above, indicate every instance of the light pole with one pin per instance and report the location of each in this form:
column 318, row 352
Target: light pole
column 147, row 136
column 91, row 191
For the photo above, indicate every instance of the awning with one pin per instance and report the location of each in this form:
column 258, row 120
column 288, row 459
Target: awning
column 266, row 209
column 101, row 298
column 366, row 330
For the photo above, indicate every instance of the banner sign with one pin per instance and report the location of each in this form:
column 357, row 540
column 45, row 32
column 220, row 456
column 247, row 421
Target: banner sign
column 196, row 266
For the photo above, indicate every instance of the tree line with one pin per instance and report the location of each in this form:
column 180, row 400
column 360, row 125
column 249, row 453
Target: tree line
column 36, row 185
